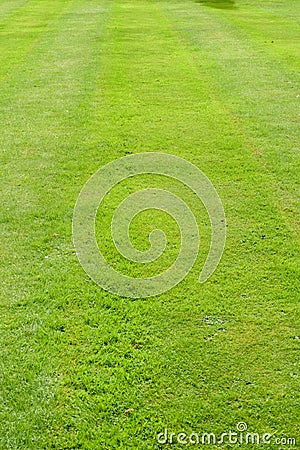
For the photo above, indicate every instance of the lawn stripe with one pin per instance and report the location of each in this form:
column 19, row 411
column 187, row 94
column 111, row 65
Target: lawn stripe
column 257, row 88
column 21, row 32
column 41, row 107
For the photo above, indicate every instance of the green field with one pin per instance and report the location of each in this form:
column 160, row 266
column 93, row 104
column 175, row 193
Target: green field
column 84, row 82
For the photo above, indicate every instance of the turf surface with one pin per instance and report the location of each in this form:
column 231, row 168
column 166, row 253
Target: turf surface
column 84, row 82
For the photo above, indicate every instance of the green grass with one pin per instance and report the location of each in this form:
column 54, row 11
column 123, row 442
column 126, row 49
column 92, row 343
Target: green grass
column 84, row 82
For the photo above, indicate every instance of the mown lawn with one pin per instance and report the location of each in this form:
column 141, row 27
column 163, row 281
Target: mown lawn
column 84, row 82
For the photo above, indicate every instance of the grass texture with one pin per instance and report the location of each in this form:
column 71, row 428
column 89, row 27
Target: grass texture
column 84, row 82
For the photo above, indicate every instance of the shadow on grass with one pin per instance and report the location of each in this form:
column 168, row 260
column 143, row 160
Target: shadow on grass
column 220, row 4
